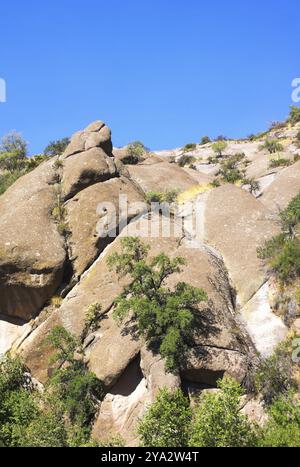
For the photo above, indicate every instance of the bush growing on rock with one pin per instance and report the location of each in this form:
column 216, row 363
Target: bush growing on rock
column 280, row 162
column 219, row 147
column 272, row 146
column 165, row 317
column 294, row 116
column 135, row 152
column 169, row 196
column 205, row 140
column 275, row 375
column 189, row 147
column 283, row 251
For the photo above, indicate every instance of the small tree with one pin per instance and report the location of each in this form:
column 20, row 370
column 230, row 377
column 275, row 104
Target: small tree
column 218, row 421
column 57, row 148
column 13, row 151
column 219, row 148
column 165, row 317
column 205, row 140
column 167, row 422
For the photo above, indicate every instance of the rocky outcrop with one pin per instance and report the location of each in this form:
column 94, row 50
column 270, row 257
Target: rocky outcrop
column 32, row 252
column 84, row 169
column 101, row 200
column 236, row 224
column 157, row 175
column 283, row 189
column 95, row 216
column 96, row 135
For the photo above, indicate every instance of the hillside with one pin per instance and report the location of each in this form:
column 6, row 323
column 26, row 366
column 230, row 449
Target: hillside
column 61, row 221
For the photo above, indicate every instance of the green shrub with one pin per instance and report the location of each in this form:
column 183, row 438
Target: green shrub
column 57, row 148
column 165, row 318
column 280, row 162
column 283, row 428
column 272, row 146
column 92, row 319
column 232, row 168
column 135, row 153
column 286, row 263
column 186, row 160
column 169, row 196
column 219, row 147
column 275, row 374
column 283, row 251
column 294, row 116
column 189, row 147
column 218, row 421
column 167, row 422
column 205, row 140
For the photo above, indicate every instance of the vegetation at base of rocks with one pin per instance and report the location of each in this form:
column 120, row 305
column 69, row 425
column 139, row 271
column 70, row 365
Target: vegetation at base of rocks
column 283, row 251
column 135, row 153
column 205, row 140
column 294, row 116
column 219, row 147
column 169, row 196
column 14, row 162
column 167, row 422
column 280, row 162
column 275, row 374
column 189, row 147
column 215, row 421
column 57, row 148
column 186, row 160
column 272, row 146
column 166, row 318
column 283, row 427
column 61, row 414
column 218, row 421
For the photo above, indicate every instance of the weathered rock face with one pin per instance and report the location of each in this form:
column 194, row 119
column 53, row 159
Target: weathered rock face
column 283, row 189
column 97, row 211
column 85, row 168
column 32, row 253
column 96, row 135
column 157, row 175
column 236, row 224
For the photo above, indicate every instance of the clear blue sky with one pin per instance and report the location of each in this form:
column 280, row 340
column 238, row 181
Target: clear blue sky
column 162, row 71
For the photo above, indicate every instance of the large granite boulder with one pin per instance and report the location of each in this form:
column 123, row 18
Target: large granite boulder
column 95, row 216
column 235, row 223
column 96, row 135
column 32, row 252
column 283, row 189
column 157, row 175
